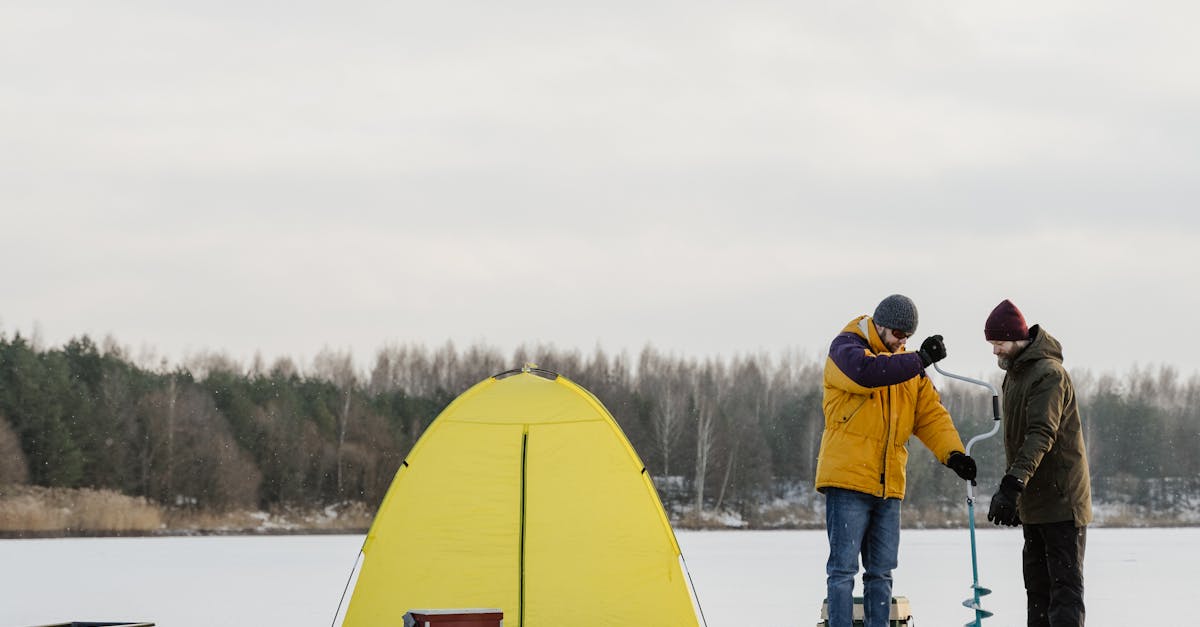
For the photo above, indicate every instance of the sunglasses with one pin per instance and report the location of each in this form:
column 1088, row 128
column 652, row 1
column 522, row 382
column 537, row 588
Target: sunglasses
column 900, row 335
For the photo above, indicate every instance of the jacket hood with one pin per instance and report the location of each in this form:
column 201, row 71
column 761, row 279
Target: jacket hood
column 864, row 327
column 1041, row 346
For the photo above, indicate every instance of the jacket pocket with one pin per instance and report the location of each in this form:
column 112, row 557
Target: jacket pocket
column 852, row 409
column 1060, row 474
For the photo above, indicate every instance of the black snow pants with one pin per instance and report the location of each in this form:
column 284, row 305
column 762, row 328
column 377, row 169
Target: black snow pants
column 1053, row 568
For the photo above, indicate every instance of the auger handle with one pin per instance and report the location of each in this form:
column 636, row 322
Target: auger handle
column 995, row 418
column 995, row 405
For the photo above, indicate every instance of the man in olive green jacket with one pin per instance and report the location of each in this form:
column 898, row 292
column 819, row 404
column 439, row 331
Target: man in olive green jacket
column 1046, row 486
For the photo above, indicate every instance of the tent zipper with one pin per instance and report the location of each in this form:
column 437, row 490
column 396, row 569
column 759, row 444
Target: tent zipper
column 521, row 578
column 887, row 437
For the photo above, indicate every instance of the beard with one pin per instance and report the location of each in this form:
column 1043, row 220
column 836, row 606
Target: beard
column 1004, row 362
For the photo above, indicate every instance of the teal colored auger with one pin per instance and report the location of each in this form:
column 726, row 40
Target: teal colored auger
column 979, row 591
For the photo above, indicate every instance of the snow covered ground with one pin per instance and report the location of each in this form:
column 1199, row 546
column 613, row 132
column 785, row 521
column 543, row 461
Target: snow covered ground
column 1133, row 577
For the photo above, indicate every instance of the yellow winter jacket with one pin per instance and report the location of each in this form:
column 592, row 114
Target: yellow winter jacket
column 874, row 401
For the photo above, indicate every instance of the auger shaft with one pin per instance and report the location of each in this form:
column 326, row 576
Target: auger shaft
column 976, row 589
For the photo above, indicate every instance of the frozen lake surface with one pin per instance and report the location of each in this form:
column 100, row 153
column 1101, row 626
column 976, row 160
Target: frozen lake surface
column 763, row 578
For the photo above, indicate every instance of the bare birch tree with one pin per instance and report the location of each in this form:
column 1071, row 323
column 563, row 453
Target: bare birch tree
column 338, row 368
column 711, row 385
column 749, row 397
column 666, row 383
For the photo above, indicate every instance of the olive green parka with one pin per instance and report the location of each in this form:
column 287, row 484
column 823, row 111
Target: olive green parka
column 1043, row 435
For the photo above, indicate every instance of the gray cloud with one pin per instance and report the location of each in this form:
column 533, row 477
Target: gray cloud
column 705, row 177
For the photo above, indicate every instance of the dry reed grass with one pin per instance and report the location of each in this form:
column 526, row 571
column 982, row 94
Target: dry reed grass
column 789, row 515
column 38, row 511
column 61, row 510
column 351, row 517
column 205, row 521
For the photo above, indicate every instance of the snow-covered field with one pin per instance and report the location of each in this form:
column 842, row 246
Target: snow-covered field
column 1133, row 577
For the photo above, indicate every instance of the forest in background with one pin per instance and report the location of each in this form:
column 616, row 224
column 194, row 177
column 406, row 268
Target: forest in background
column 724, row 439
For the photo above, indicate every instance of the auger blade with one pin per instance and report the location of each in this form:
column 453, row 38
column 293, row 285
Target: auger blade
column 971, row 604
column 975, row 623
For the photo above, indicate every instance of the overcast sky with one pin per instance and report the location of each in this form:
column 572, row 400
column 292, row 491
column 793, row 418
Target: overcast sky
column 709, row 178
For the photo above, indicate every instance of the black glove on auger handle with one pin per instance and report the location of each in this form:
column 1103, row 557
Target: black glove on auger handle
column 962, row 465
column 932, row 350
column 1003, row 510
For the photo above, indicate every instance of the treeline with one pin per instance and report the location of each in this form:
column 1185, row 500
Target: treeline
column 718, row 434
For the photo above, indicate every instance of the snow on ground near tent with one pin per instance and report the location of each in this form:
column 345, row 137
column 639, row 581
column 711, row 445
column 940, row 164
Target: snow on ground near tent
column 768, row 578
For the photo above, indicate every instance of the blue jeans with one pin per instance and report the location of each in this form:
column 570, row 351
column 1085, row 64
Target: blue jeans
column 860, row 524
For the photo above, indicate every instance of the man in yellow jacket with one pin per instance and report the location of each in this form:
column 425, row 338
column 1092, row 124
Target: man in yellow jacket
column 876, row 397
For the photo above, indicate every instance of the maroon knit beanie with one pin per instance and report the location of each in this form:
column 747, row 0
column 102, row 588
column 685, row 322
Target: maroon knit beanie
column 1005, row 323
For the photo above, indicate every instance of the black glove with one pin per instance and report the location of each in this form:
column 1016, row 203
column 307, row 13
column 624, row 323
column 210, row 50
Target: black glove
column 962, row 465
column 932, row 350
column 1003, row 510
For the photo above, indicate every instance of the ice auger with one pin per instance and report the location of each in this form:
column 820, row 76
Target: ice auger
column 978, row 590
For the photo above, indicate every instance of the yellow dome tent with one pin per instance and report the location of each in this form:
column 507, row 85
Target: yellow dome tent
column 523, row 495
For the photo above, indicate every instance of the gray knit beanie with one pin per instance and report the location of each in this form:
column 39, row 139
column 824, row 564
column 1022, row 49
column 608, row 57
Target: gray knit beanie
column 897, row 312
